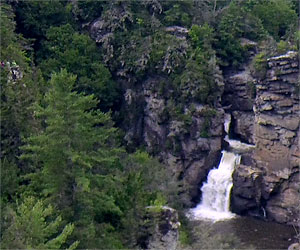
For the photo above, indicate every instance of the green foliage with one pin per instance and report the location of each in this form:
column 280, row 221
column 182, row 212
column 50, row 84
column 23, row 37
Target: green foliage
column 36, row 17
column 252, row 19
column 260, row 64
column 77, row 53
column 237, row 22
column 282, row 47
column 88, row 10
column 198, row 78
column 79, row 169
column 142, row 181
column 297, row 39
column 11, row 48
column 35, row 226
column 141, row 186
column 202, row 36
column 178, row 13
column 17, row 93
column 184, row 237
column 208, row 114
column 276, row 15
column 76, row 152
column 9, row 180
column 167, row 53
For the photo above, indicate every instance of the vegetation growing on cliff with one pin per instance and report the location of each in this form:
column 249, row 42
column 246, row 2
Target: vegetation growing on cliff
column 63, row 159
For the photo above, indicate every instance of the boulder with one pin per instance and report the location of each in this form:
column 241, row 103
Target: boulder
column 160, row 230
column 246, row 191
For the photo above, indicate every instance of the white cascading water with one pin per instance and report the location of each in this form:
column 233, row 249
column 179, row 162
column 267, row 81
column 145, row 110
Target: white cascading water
column 215, row 204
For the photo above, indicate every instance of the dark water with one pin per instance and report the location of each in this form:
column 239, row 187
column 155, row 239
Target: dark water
column 258, row 233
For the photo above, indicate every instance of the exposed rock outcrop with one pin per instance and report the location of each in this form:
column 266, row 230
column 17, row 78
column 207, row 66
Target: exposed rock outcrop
column 162, row 114
column 188, row 140
column 238, row 99
column 246, row 194
column 276, row 135
column 160, row 231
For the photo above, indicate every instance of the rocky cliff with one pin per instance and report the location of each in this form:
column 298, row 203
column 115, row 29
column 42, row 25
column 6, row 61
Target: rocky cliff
column 277, row 136
column 239, row 96
column 165, row 112
column 186, row 137
column 163, row 115
column 269, row 185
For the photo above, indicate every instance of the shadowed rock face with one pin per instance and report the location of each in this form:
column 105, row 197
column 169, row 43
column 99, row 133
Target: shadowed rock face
column 160, row 230
column 276, row 157
column 238, row 98
column 176, row 140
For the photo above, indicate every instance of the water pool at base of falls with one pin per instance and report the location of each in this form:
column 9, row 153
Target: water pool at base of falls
column 248, row 232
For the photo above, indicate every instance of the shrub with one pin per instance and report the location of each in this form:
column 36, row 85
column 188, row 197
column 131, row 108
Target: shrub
column 260, row 64
column 282, row 47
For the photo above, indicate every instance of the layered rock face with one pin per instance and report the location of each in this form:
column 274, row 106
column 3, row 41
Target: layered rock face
column 277, row 136
column 269, row 183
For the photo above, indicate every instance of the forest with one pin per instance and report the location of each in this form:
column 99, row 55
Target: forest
column 70, row 179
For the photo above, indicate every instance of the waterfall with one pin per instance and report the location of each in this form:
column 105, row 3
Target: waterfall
column 215, row 203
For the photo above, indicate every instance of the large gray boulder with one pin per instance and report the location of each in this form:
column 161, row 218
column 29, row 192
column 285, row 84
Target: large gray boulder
column 160, row 231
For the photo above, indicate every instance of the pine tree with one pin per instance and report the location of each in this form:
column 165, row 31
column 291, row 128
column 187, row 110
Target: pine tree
column 20, row 86
column 77, row 155
column 33, row 227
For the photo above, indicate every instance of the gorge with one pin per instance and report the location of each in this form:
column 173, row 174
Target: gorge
column 188, row 136
column 150, row 124
column 267, row 178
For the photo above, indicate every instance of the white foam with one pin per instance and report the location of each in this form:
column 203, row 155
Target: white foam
column 227, row 122
column 203, row 213
column 237, row 145
column 215, row 203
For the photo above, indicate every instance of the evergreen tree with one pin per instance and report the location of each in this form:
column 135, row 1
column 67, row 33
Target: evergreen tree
column 35, row 17
column 78, row 53
column 20, row 86
column 77, row 155
column 34, row 227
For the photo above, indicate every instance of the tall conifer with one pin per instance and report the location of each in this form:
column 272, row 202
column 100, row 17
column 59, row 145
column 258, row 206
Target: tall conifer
column 77, row 155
